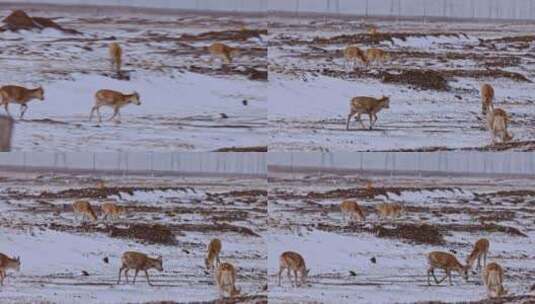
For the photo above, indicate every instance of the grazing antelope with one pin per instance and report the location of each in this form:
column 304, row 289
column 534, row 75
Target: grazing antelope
column 116, row 54
column 497, row 122
column 225, row 278
column 389, row 210
column 293, row 261
column 353, row 54
column 139, row 261
column 214, row 248
column 222, row 51
column 377, row 55
column 487, row 95
column 111, row 210
column 84, row 208
column 113, row 99
column 493, row 279
column 352, row 209
column 481, row 249
column 15, row 94
column 447, row 262
column 367, row 105
column 8, row 263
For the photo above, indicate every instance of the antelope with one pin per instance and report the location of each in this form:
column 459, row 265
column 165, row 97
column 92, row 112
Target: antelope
column 389, row 210
column 368, row 105
column 20, row 95
column 139, row 261
column 353, row 54
column 214, row 248
column 497, row 121
column 487, row 95
column 116, row 54
column 493, row 279
column 222, row 51
column 115, row 100
column 225, row 278
column 377, row 55
column 111, row 210
column 481, row 249
column 293, row 261
column 84, row 208
column 8, row 263
column 352, row 209
column 447, row 262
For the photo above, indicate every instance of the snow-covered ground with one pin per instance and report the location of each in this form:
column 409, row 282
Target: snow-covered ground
column 188, row 103
column 56, row 249
column 304, row 217
column 308, row 72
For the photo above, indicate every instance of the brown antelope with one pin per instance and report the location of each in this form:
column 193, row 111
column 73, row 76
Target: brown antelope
column 389, row 210
column 214, row 248
column 493, row 279
column 487, row 95
column 111, row 210
column 367, row 105
column 115, row 100
column 116, row 54
column 139, row 261
column 497, row 121
column 448, row 263
column 377, row 55
column 352, row 209
column 8, row 263
column 222, row 51
column 352, row 54
column 84, row 208
column 225, row 278
column 293, row 261
column 481, row 249
column 20, row 95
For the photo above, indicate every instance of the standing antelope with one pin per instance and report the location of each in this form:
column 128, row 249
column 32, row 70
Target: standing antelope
column 15, row 94
column 368, row 105
column 84, row 208
column 497, row 122
column 8, row 263
column 352, row 54
column 214, row 248
column 487, row 95
column 111, row 210
column 116, row 54
column 222, row 51
column 352, row 209
column 389, row 210
column 113, row 99
column 481, row 249
column 447, row 262
column 225, row 278
column 139, row 261
column 293, row 261
column 493, row 279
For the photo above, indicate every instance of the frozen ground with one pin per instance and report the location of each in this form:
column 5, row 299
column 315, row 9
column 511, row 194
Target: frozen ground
column 307, row 71
column 37, row 224
column 188, row 102
column 304, row 216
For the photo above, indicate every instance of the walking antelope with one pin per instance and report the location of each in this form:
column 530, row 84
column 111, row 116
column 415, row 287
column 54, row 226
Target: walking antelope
column 20, row 95
column 115, row 100
column 116, row 54
column 367, row 105
column 8, row 263
column 487, row 95
column 212, row 254
column 139, row 262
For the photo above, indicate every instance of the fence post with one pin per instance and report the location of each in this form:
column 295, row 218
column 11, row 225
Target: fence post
column 6, row 130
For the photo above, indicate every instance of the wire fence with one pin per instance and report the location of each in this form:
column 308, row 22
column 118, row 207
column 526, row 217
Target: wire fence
column 396, row 163
column 487, row 9
column 149, row 162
